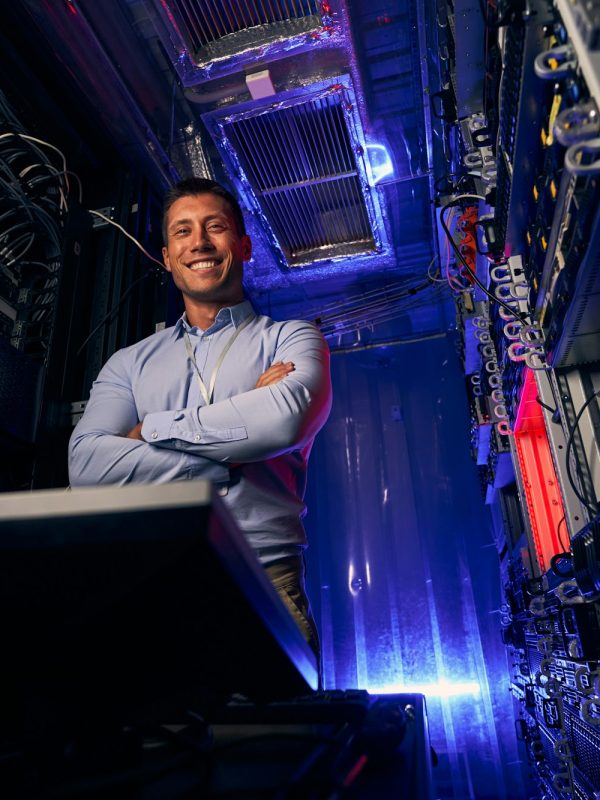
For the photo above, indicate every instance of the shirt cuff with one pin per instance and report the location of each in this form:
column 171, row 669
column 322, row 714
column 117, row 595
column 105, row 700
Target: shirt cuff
column 157, row 427
column 182, row 430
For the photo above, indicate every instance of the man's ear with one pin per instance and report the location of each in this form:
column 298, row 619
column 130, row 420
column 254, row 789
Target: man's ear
column 246, row 248
column 166, row 260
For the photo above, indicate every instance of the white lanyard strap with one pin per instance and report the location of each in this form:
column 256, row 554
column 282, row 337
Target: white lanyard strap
column 207, row 394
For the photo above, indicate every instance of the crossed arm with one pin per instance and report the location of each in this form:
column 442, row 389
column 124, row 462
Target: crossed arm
column 275, row 373
column 282, row 413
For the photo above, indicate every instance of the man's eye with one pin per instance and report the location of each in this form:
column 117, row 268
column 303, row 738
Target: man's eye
column 216, row 228
column 181, row 231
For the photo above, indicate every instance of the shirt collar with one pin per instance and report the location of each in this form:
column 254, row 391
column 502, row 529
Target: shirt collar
column 233, row 315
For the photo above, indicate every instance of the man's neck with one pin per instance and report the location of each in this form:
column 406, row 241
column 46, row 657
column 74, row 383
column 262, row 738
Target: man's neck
column 203, row 315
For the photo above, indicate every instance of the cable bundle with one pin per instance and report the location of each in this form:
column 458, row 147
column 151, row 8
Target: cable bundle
column 372, row 308
column 33, row 205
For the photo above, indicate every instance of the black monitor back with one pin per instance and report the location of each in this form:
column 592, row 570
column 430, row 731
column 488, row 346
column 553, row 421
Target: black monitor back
column 133, row 603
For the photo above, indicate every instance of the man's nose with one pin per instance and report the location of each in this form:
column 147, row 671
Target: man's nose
column 201, row 240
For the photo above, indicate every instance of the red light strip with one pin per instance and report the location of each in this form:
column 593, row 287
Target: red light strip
column 539, row 480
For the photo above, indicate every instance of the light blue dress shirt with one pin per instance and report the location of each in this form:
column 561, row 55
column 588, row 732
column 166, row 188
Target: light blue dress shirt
column 254, row 442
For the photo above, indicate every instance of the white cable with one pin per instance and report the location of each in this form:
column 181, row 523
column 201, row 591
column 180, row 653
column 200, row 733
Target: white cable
column 451, row 219
column 360, row 304
column 66, row 172
column 456, row 287
column 12, row 259
column 63, row 200
column 357, row 299
column 52, row 147
column 376, row 317
column 430, row 276
column 128, row 235
column 75, row 175
column 468, row 197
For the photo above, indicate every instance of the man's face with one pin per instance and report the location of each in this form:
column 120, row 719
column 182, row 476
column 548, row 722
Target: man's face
column 205, row 253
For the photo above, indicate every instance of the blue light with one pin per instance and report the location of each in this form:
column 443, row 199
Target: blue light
column 442, row 688
column 355, row 582
column 381, row 163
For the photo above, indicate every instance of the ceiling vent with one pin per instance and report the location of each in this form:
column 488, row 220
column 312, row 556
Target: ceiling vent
column 301, row 161
column 212, row 37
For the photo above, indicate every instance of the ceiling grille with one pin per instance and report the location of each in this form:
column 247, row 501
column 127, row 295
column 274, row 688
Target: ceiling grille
column 215, row 29
column 301, row 163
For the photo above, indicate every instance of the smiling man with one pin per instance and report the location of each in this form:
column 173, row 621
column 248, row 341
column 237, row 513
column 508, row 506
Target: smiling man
column 225, row 394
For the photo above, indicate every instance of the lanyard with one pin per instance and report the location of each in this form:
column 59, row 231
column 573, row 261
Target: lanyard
column 207, row 394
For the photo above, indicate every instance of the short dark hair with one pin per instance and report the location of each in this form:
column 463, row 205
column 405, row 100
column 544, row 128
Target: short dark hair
column 192, row 186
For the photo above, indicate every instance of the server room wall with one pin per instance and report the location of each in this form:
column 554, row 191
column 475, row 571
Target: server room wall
column 480, row 118
column 402, row 566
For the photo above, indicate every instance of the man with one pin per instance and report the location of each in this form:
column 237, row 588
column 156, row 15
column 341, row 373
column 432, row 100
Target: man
column 224, row 394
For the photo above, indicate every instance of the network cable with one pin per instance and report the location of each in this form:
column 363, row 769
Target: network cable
column 522, row 319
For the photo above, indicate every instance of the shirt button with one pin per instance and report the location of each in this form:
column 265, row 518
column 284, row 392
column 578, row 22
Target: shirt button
column 197, row 437
column 154, row 435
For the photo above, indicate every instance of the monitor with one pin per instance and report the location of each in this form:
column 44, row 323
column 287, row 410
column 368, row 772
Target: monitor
column 136, row 602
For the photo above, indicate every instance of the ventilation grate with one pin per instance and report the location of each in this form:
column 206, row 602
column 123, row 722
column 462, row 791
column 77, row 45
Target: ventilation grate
column 217, row 28
column 302, row 167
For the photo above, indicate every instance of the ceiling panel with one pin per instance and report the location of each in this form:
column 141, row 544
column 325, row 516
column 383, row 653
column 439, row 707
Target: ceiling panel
column 303, row 162
column 332, row 164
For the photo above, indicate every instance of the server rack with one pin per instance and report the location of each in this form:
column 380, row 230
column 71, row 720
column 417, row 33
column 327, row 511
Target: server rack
column 520, row 219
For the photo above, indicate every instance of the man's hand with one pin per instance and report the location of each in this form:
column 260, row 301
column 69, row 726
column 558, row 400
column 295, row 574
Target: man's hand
column 275, row 373
column 136, row 433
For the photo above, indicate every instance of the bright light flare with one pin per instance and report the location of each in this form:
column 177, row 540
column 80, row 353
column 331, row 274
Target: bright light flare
column 442, row 688
column 381, row 163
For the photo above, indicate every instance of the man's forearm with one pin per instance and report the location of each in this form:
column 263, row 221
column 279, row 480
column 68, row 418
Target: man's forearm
column 283, row 413
column 252, row 426
column 107, row 459
column 285, row 410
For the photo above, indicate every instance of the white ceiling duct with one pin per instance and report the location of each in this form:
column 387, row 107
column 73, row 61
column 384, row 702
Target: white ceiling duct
column 301, row 162
column 215, row 37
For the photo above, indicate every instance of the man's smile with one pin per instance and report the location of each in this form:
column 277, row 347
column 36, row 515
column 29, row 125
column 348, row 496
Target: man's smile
column 205, row 251
column 202, row 264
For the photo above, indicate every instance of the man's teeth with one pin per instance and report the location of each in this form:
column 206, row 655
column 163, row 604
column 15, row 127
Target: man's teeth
column 203, row 265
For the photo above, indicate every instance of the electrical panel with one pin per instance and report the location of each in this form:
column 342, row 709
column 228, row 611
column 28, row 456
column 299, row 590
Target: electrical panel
column 519, row 220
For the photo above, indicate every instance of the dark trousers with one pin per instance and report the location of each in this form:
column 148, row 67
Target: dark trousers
column 287, row 576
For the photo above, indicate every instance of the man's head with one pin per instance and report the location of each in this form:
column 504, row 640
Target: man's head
column 192, row 186
column 205, row 243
